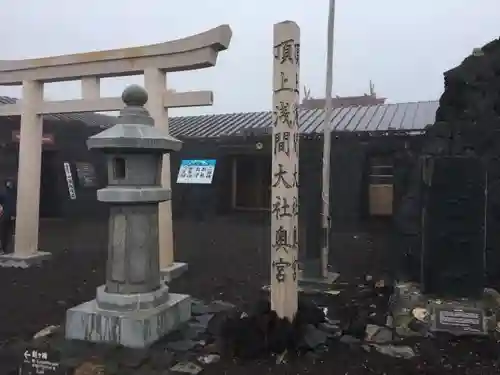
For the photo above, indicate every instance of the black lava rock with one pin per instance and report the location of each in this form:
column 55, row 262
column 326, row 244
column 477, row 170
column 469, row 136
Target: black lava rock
column 262, row 333
column 467, row 125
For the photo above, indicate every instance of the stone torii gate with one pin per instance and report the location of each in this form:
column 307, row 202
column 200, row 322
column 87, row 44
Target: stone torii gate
column 154, row 61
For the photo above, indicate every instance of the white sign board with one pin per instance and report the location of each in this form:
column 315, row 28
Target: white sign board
column 69, row 180
column 40, row 362
column 196, row 171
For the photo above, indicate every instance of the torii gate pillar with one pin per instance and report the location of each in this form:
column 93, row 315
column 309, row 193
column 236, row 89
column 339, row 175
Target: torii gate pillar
column 154, row 82
column 154, row 61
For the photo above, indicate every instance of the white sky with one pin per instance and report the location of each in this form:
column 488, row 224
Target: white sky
column 403, row 46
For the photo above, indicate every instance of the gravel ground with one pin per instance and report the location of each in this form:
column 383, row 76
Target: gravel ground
column 232, row 268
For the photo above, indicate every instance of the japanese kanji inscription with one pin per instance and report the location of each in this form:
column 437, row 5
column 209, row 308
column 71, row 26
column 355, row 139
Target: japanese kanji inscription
column 285, row 167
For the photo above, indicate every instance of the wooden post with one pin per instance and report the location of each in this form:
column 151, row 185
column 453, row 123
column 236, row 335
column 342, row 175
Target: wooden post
column 285, row 170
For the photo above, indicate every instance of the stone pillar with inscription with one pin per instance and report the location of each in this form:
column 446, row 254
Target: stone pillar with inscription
column 134, row 308
column 285, row 170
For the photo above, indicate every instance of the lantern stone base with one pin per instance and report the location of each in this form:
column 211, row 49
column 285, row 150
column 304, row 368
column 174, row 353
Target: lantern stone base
column 23, row 261
column 173, row 271
column 133, row 329
column 131, row 302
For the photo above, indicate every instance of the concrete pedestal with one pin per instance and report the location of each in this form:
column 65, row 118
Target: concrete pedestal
column 174, row 271
column 310, row 276
column 23, row 261
column 134, row 329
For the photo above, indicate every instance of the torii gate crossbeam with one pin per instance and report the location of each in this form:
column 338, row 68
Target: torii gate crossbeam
column 154, row 61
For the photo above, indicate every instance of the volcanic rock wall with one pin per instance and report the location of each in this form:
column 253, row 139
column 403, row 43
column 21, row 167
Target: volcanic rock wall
column 453, row 243
column 467, row 124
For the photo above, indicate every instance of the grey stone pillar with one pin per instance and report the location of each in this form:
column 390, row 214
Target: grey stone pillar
column 134, row 308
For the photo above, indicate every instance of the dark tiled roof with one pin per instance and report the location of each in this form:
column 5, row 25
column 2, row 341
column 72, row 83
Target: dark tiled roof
column 385, row 117
column 343, row 101
column 92, row 119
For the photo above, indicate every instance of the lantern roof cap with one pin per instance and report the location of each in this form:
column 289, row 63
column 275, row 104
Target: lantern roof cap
column 135, row 130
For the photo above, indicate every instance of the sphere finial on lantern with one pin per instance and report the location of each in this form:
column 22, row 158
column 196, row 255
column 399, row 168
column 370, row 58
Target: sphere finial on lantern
column 134, row 96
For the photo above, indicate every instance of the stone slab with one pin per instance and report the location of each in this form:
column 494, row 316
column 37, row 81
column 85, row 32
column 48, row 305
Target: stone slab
column 119, row 194
column 307, row 282
column 173, row 271
column 458, row 319
column 135, row 329
column 310, row 273
column 329, row 280
column 23, row 261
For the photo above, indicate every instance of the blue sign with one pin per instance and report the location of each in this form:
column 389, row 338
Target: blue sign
column 200, row 171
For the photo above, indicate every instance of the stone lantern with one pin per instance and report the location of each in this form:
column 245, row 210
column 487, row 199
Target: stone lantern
column 134, row 308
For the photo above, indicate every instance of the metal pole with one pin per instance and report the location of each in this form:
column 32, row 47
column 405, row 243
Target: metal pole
column 327, row 142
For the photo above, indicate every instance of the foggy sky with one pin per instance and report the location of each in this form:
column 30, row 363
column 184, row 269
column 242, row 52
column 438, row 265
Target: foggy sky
column 403, row 46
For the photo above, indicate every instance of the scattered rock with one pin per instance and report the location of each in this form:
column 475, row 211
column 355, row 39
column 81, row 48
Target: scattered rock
column 332, row 321
column 219, row 306
column 216, row 323
column 204, row 319
column 47, row 331
column 331, row 329
column 357, row 325
column 281, row 358
column 380, row 284
column 366, row 348
column 417, row 325
column 193, row 330
column 405, row 352
column 187, row 368
column 198, row 307
column 90, row 368
column 371, row 330
column 348, row 339
column 378, row 334
column 314, row 337
column 209, row 358
column 182, row 346
column 420, row 314
column 332, row 292
column 263, row 333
